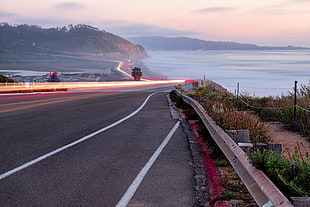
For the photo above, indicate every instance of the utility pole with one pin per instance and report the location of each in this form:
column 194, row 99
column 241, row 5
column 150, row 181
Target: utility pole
column 295, row 106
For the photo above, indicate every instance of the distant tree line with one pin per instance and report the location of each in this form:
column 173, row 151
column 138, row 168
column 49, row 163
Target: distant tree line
column 4, row 79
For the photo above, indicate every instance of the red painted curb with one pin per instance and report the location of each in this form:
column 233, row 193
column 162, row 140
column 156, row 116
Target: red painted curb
column 213, row 176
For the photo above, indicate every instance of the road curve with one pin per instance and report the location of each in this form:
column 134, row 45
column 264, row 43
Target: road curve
column 99, row 170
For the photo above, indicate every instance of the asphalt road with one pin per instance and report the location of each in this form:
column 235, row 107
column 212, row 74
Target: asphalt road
column 99, row 170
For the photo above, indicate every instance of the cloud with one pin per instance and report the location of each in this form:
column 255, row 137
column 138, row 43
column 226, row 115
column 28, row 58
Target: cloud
column 6, row 14
column 131, row 30
column 286, row 8
column 115, row 23
column 69, row 5
column 277, row 10
column 121, row 28
column 299, row 1
column 45, row 22
column 215, row 9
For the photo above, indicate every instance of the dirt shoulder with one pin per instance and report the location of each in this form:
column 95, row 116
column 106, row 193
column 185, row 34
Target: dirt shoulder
column 290, row 140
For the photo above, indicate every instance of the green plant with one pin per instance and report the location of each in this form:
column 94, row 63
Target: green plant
column 201, row 92
column 227, row 195
column 269, row 161
column 222, row 162
column 292, row 176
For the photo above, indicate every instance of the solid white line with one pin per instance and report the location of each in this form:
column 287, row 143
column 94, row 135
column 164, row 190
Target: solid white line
column 27, row 164
column 137, row 181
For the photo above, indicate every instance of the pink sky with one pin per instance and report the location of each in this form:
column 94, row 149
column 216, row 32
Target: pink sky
column 262, row 22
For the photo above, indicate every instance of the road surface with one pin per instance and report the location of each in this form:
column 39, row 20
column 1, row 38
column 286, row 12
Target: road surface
column 88, row 148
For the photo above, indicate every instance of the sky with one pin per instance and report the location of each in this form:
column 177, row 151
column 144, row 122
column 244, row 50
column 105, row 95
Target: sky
column 261, row 22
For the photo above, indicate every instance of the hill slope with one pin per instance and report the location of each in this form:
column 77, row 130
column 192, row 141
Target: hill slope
column 4, row 79
column 80, row 39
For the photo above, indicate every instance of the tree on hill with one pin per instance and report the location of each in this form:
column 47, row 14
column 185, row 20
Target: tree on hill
column 79, row 39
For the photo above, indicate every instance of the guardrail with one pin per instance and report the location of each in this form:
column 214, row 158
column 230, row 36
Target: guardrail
column 264, row 192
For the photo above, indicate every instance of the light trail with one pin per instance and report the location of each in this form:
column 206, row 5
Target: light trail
column 64, row 86
column 120, row 65
column 118, row 68
column 41, row 102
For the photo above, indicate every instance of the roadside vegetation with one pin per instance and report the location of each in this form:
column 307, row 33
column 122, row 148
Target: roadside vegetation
column 234, row 190
column 281, row 108
column 225, row 111
column 290, row 174
column 221, row 104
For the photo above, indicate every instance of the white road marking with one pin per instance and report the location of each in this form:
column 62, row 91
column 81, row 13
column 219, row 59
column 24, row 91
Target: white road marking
column 137, row 181
column 27, row 164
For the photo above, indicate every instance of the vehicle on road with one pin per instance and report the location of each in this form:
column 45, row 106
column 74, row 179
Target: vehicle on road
column 136, row 73
column 53, row 77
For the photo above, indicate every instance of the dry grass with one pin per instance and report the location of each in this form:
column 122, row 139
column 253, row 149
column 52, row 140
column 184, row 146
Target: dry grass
column 229, row 118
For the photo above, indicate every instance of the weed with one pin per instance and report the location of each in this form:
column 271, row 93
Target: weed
column 222, row 162
column 227, row 195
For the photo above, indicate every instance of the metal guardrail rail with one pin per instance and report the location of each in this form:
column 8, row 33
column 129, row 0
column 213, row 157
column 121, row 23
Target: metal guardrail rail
column 264, row 192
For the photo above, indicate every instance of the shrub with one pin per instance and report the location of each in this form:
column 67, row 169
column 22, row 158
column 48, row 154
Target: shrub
column 201, row 92
column 226, row 116
column 282, row 109
column 292, row 176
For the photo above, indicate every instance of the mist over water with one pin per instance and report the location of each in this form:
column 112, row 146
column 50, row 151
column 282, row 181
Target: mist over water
column 259, row 72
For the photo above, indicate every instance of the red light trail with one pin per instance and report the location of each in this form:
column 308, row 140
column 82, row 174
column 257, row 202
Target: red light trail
column 64, row 86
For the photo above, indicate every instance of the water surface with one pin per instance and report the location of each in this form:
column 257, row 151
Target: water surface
column 259, row 72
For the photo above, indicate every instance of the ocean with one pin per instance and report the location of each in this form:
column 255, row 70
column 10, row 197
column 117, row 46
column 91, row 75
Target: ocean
column 258, row 72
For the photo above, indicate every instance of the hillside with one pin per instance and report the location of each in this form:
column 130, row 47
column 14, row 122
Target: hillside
column 184, row 43
column 4, row 79
column 74, row 40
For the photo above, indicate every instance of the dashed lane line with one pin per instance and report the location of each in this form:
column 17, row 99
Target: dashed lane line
column 137, row 181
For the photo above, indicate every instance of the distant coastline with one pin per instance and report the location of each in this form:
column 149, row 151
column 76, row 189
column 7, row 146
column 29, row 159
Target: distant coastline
column 185, row 43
